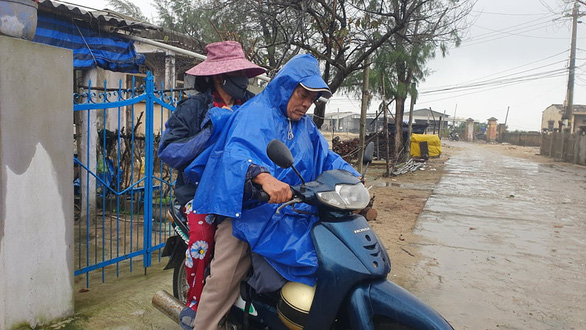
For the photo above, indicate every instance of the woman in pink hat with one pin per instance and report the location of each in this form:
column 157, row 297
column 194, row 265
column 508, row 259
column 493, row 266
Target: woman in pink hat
column 221, row 81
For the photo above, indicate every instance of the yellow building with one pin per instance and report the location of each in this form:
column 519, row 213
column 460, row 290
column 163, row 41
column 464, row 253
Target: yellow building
column 551, row 118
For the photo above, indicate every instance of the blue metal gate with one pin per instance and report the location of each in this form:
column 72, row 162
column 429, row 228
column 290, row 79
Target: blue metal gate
column 122, row 189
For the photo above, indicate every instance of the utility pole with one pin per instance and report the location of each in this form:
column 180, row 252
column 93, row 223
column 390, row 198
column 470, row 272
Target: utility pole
column 386, row 132
column 570, row 92
column 411, row 109
column 365, row 96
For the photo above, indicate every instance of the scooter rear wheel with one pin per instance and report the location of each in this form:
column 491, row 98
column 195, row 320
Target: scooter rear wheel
column 180, row 286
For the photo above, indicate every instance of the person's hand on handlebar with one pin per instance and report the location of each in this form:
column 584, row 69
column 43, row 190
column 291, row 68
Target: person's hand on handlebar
column 279, row 191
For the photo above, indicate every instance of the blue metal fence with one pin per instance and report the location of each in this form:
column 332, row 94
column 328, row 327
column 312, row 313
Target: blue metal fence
column 122, row 189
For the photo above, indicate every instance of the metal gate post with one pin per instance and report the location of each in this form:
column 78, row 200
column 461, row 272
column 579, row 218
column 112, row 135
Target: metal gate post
column 149, row 158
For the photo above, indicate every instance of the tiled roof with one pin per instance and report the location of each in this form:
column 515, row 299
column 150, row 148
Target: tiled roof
column 577, row 107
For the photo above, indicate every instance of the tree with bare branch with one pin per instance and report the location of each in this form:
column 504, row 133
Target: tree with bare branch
column 341, row 33
column 400, row 63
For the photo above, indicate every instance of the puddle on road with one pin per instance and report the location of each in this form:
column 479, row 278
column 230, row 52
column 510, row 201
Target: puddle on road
column 502, row 244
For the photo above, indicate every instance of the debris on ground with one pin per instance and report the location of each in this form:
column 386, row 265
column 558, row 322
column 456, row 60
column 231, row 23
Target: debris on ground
column 409, row 166
column 346, row 149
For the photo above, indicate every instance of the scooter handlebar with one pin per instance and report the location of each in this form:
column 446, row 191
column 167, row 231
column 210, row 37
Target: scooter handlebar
column 263, row 197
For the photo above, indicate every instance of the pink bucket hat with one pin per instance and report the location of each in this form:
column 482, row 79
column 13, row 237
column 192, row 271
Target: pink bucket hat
column 224, row 57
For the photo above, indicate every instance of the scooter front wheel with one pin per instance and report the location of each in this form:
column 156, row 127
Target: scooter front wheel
column 180, row 286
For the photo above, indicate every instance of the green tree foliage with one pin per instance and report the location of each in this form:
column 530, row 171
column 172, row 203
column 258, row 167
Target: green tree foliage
column 341, row 33
column 191, row 18
column 126, row 7
column 400, row 63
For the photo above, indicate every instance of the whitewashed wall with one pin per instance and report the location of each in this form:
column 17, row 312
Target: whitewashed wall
column 36, row 183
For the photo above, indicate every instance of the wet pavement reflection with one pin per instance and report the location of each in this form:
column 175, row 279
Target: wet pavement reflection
column 504, row 243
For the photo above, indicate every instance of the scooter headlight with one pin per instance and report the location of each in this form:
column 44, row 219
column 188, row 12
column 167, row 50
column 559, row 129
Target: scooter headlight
column 346, row 197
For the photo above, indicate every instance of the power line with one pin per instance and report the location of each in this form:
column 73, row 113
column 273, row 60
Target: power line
column 485, row 89
column 523, row 25
column 478, row 82
column 511, row 69
column 505, row 14
column 537, row 22
column 499, row 81
column 512, row 31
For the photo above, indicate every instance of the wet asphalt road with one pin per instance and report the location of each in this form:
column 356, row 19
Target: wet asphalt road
column 504, row 242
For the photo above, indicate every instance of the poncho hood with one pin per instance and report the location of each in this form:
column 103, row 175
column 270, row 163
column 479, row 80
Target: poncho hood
column 300, row 69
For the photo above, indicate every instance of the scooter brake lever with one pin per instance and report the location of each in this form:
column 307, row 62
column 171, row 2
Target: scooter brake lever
column 293, row 201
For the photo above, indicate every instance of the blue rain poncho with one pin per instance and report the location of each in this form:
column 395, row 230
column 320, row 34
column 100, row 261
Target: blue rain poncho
column 283, row 239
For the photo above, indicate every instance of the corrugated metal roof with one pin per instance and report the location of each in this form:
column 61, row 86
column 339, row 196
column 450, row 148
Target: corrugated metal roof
column 111, row 21
column 428, row 112
column 105, row 18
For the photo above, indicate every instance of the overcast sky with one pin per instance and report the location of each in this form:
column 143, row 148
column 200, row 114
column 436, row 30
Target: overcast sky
column 515, row 56
column 517, row 53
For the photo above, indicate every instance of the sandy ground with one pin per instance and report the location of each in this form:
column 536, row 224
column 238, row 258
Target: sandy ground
column 399, row 200
column 125, row 302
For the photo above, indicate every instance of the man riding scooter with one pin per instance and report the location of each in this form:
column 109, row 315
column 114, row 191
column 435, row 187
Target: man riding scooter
column 238, row 161
column 353, row 291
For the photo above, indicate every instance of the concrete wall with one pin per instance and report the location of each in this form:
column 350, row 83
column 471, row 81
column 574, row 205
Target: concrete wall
column 532, row 139
column 36, row 190
column 566, row 147
column 581, row 151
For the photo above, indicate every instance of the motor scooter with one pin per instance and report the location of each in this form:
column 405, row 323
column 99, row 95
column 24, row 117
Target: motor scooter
column 352, row 290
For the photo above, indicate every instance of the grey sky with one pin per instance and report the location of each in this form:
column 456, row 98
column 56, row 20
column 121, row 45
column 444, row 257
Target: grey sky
column 519, row 50
column 517, row 53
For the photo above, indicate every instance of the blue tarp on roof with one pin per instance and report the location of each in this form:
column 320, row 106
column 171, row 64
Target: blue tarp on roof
column 91, row 48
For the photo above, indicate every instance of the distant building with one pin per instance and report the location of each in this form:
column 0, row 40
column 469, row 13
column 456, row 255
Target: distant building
column 338, row 121
column 551, row 118
column 348, row 121
column 434, row 119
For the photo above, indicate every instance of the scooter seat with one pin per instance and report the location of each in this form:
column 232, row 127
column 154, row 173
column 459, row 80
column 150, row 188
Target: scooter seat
column 176, row 212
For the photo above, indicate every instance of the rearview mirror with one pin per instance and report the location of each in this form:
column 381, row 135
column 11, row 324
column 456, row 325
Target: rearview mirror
column 280, row 154
column 368, row 153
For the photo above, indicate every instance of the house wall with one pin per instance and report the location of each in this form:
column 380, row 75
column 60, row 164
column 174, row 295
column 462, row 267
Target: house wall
column 580, row 122
column 36, row 190
column 550, row 113
column 160, row 116
column 98, row 79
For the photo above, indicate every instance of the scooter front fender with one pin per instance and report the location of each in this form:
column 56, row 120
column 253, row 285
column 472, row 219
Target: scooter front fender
column 391, row 305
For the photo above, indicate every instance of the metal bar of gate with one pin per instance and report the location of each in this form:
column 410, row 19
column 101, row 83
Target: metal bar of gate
column 111, row 234
column 148, row 207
